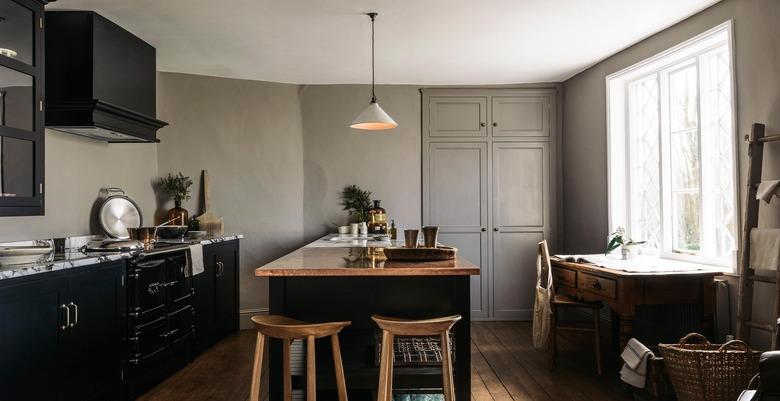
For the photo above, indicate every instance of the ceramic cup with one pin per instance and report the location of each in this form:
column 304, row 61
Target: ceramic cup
column 430, row 236
column 353, row 229
column 410, row 238
column 343, row 231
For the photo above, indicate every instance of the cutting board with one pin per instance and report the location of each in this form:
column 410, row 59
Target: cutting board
column 209, row 221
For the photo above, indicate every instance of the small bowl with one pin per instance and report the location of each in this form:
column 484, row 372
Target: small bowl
column 197, row 234
column 171, row 232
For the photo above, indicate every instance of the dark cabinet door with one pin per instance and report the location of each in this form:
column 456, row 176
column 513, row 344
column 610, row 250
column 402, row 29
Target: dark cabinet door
column 31, row 318
column 226, row 288
column 205, row 301
column 91, row 348
column 178, row 288
column 21, row 108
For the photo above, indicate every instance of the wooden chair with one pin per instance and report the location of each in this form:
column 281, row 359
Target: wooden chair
column 560, row 301
column 392, row 327
column 288, row 329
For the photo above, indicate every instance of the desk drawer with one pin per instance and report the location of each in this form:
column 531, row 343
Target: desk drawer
column 597, row 285
column 565, row 277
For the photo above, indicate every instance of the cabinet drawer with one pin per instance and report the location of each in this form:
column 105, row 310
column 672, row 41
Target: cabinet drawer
column 565, row 277
column 597, row 285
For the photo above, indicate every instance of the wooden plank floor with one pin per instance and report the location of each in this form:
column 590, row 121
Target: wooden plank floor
column 505, row 367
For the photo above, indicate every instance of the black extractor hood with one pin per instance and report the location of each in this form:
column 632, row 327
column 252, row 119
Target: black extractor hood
column 100, row 79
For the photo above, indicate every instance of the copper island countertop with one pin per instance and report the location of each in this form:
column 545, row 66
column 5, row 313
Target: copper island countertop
column 358, row 261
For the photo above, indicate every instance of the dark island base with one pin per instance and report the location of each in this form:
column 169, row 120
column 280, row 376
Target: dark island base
column 320, row 299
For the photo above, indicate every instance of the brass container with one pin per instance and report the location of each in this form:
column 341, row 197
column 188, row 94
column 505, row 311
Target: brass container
column 410, row 238
column 377, row 219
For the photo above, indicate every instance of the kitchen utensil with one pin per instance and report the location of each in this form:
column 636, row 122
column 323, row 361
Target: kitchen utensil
column 209, row 221
column 117, row 213
column 143, row 234
column 171, row 232
column 439, row 253
column 196, row 234
column 410, row 238
column 114, row 245
column 430, row 236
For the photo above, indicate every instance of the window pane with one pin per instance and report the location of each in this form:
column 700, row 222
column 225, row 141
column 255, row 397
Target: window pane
column 683, row 98
column 685, row 161
column 687, row 215
column 16, row 32
column 718, row 157
column 16, row 167
column 645, row 162
column 16, row 99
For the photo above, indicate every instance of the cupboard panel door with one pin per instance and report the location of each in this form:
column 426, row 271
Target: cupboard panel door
column 455, row 185
column 473, row 247
column 521, row 184
column 514, row 274
column 30, row 320
column 225, row 290
column 457, row 116
column 520, row 116
column 92, row 347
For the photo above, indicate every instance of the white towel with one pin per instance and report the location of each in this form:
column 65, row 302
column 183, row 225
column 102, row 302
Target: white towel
column 765, row 248
column 766, row 190
column 634, row 370
column 195, row 258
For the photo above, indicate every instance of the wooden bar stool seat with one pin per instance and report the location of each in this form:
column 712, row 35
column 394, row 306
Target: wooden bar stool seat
column 288, row 329
column 392, row 327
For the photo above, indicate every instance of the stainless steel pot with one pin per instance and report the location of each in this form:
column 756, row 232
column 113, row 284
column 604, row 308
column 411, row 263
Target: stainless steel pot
column 117, row 213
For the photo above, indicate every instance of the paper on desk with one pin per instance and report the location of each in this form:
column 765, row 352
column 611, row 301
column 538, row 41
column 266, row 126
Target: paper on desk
column 638, row 264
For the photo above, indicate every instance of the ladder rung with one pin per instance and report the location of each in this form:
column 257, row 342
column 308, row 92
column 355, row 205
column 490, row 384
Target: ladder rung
column 769, row 138
column 760, row 326
column 763, row 279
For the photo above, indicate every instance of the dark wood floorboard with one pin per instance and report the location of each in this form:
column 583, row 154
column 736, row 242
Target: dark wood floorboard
column 505, row 367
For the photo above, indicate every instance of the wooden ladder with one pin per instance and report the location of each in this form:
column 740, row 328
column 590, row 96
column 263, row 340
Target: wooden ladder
column 747, row 276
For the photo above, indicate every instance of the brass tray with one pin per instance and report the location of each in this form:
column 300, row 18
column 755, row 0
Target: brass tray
column 438, row 253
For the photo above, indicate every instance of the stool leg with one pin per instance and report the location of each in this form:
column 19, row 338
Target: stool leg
column 311, row 370
column 257, row 368
column 339, row 368
column 385, row 364
column 597, row 333
column 553, row 336
column 446, row 369
column 390, row 362
column 286, row 344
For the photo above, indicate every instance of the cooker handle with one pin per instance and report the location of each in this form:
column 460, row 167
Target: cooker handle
column 109, row 190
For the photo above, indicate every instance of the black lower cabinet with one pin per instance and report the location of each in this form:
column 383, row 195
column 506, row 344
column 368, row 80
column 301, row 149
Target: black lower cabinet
column 216, row 291
column 61, row 336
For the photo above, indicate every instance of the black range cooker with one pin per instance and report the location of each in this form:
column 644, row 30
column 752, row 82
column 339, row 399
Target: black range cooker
column 160, row 316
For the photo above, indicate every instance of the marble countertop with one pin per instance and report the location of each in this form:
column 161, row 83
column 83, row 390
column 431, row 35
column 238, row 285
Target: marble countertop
column 72, row 256
column 326, row 257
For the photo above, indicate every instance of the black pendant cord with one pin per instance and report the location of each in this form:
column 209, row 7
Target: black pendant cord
column 373, row 93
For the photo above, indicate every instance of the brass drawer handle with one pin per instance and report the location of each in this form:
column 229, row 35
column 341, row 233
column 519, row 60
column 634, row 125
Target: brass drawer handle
column 75, row 314
column 597, row 285
column 67, row 317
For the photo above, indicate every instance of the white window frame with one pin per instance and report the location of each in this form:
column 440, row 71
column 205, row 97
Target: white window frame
column 618, row 170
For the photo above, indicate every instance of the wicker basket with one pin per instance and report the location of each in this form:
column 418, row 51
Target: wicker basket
column 701, row 371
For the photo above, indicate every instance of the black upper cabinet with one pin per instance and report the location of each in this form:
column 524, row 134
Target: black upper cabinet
column 21, row 108
column 101, row 81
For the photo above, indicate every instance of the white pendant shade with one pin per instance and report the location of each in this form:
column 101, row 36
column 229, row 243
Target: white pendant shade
column 373, row 118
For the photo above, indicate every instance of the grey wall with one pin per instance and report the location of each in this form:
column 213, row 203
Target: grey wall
column 757, row 53
column 76, row 169
column 387, row 163
column 248, row 135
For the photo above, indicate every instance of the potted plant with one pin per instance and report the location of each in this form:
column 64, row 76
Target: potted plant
column 619, row 239
column 356, row 201
column 177, row 187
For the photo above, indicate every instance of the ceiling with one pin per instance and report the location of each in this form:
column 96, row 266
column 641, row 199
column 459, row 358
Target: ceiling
column 455, row 42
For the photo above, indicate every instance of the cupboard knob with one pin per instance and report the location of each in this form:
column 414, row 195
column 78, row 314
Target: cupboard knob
column 495, row 228
column 495, row 124
column 482, row 124
column 484, row 229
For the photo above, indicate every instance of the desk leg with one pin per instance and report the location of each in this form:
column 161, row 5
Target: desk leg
column 626, row 327
column 708, row 308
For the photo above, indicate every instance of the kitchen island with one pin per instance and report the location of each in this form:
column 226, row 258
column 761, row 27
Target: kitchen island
column 332, row 281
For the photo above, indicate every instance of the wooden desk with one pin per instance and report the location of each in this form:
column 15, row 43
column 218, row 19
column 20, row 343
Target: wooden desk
column 624, row 291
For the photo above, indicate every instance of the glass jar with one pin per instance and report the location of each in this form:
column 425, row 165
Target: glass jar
column 377, row 219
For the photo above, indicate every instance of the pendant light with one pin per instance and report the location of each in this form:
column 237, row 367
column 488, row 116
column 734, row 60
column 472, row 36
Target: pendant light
column 373, row 118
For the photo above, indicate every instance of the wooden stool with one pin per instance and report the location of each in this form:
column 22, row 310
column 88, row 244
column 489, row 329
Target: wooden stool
column 288, row 329
column 392, row 327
